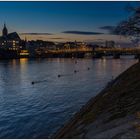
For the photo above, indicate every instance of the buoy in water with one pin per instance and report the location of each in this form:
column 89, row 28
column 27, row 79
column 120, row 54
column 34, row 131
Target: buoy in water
column 75, row 71
column 33, row 83
column 59, row 75
column 88, row 68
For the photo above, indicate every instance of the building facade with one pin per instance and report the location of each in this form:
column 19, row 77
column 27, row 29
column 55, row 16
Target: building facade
column 10, row 41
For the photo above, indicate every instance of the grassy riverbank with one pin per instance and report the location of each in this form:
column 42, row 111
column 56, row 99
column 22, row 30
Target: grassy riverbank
column 113, row 113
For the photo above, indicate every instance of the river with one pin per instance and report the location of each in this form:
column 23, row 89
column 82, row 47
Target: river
column 38, row 110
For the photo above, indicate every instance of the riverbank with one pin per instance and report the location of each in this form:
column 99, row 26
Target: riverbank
column 113, row 113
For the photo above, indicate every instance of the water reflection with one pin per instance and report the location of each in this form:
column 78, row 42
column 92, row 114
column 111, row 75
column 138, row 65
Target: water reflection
column 37, row 111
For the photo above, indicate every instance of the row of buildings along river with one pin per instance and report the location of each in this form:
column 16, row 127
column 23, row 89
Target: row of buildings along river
column 12, row 46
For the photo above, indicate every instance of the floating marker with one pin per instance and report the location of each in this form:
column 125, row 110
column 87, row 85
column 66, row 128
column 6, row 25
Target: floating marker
column 33, row 83
column 75, row 71
column 59, row 75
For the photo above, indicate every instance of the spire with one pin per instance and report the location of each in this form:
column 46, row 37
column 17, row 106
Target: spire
column 4, row 31
column 25, row 39
column 25, row 42
column 4, row 25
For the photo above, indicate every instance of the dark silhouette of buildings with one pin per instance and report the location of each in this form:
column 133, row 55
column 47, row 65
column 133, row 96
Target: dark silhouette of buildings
column 109, row 44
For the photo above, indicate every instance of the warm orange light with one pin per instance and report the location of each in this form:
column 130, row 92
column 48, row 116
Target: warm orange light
column 24, row 53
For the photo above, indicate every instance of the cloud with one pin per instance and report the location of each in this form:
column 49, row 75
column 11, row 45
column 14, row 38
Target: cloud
column 108, row 28
column 100, row 39
column 82, row 32
column 36, row 34
column 56, row 38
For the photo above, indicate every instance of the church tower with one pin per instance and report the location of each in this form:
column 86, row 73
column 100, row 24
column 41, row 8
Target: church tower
column 4, row 31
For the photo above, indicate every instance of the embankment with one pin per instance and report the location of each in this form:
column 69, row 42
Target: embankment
column 113, row 113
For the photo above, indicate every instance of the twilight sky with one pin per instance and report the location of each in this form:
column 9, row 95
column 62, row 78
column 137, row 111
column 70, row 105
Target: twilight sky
column 64, row 21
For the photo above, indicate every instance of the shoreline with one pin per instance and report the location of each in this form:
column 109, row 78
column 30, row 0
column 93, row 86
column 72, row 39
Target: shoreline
column 91, row 112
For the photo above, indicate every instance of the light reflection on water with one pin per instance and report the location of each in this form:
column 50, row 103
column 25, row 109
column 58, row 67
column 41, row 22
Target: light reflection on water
column 37, row 111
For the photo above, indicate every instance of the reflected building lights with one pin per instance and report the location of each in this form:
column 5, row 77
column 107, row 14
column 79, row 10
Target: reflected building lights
column 23, row 64
column 23, row 60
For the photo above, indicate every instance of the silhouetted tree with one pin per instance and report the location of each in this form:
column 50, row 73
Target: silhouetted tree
column 131, row 26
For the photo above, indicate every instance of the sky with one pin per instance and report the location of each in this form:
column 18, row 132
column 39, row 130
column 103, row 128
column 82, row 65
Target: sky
column 64, row 21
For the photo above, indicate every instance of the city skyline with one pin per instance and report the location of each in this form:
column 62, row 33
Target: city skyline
column 64, row 21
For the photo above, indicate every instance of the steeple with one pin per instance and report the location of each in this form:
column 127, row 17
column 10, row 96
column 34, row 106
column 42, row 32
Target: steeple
column 4, row 31
column 25, row 39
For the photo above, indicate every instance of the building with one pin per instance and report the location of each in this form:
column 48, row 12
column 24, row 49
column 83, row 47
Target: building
column 109, row 44
column 10, row 41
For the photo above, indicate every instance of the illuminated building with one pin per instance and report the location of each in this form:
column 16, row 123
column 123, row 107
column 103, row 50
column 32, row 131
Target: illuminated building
column 10, row 41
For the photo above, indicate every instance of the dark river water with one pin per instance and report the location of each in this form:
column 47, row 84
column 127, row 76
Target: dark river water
column 37, row 111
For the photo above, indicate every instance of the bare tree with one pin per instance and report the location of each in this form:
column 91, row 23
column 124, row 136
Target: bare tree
column 131, row 26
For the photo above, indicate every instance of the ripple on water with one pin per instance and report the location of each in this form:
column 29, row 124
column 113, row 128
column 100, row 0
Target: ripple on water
column 37, row 111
